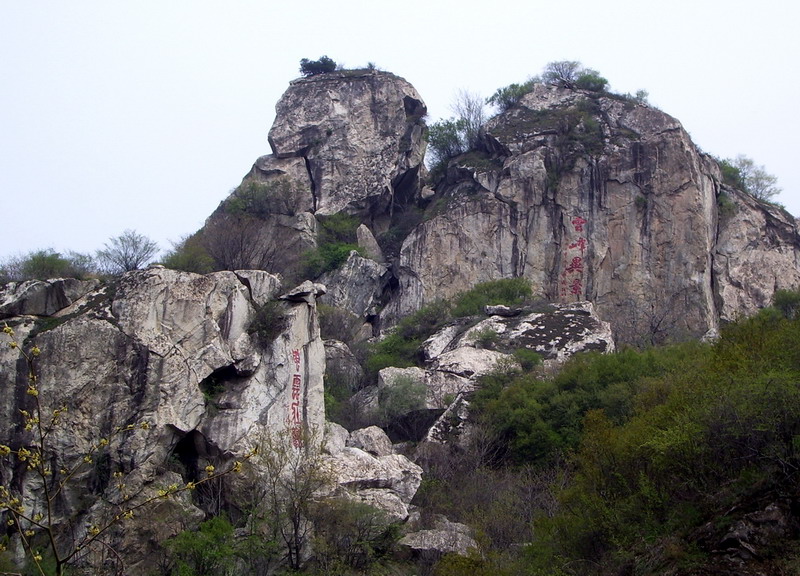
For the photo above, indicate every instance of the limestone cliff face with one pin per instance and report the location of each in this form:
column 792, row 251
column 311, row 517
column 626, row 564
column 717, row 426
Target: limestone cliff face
column 597, row 198
column 176, row 351
column 212, row 364
column 756, row 253
column 348, row 141
column 360, row 133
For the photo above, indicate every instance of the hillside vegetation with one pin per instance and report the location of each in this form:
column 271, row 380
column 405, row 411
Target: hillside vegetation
column 673, row 460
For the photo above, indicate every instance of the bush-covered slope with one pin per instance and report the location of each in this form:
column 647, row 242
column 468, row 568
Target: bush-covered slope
column 676, row 460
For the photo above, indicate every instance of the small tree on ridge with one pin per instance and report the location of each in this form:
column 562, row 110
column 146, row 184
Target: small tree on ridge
column 128, row 251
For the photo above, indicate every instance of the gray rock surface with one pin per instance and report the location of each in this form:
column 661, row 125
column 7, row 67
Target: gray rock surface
column 356, row 286
column 604, row 200
column 445, row 538
column 372, row 440
column 42, row 297
column 360, row 133
column 174, row 350
column 755, row 255
column 390, row 480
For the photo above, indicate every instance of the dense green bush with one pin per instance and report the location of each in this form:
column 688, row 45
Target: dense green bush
column 336, row 238
column 208, row 551
column 507, row 291
column 694, row 439
column 539, row 419
column 44, row 264
column 315, row 67
column 509, row 96
column 591, row 80
column 189, row 255
column 326, row 257
column 731, row 174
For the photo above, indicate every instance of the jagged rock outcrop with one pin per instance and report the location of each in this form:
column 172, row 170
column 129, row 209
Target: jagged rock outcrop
column 349, row 141
column 41, row 297
column 594, row 197
column 200, row 359
column 411, row 402
column 357, row 286
column 756, row 254
column 360, row 135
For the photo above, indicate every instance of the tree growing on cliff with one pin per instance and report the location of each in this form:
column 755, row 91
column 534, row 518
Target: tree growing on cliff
column 128, row 251
column 756, row 180
column 572, row 74
column 449, row 138
column 509, row 96
column 314, row 67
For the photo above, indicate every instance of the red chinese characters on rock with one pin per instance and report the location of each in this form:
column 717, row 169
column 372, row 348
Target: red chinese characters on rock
column 579, row 244
column 578, row 223
column 576, row 265
column 571, row 278
column 295, row 417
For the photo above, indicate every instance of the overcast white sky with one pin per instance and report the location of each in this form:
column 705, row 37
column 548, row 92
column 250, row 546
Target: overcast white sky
column 145, row 114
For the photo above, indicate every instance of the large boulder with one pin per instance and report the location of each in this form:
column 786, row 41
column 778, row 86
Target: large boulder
column 388, row 482
column 360, row 133
column 42, row 297
column 445, row 537
column 342, row 142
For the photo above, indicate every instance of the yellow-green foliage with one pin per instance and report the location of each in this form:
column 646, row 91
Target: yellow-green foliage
column 693, row 441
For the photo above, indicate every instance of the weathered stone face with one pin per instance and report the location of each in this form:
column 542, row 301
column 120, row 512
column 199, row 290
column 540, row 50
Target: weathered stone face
column 599, row 199
column 345, row 141
column 195, row 357
column 41, row 297
column 755, row 255
column 359, row 132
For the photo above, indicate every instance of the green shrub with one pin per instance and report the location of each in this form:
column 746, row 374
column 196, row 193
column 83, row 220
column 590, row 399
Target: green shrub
column 704, row 429
column 507, row 291
column 269, row 321
column 189, row 255
column 339, row 227
column 208, row 551
column 314, row 67
column 508, row 97
column 486, row 338
column 260, row 199
column 731, row 175
column 788, row 302
column 45, row 264
column 527, row 358
column 326, row 257
column 401, row 347
column 591, row 80
column 335, row 240
column 446, row 140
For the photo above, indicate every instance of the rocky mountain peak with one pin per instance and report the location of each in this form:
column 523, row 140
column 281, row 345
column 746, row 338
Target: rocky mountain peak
column 359, row 132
